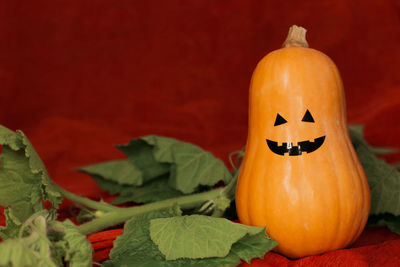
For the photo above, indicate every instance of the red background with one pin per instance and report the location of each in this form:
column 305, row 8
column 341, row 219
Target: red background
column 80, row 76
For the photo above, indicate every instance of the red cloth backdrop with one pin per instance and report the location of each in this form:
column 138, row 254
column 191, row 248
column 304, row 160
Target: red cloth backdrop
column 80, row 76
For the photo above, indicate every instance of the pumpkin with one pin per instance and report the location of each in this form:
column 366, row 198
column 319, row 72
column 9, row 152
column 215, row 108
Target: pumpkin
column 300, row 176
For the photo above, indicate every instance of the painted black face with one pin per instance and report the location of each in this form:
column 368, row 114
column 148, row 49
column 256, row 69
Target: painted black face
column 302, row 146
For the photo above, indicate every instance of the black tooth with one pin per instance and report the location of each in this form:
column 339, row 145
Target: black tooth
column 305, row 146
column 294, row 151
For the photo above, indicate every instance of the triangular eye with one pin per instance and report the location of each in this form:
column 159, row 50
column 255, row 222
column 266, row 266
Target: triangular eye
column 307, row 117
column 279, row 120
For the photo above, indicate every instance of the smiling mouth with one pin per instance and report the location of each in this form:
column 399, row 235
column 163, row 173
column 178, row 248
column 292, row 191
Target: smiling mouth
column 303, row 146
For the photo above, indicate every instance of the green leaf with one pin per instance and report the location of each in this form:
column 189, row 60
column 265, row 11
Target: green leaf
column 193, row 167
column 44, row 242
column 13, row 252
column 152, row 191
column 197, row 236
column 189, row 165
column 140, row 152
column 77, row 250
column 119, row 171
column 151, row 158
column 135, row 248
column 383, row 179
column 32, row 248
column 23, row 178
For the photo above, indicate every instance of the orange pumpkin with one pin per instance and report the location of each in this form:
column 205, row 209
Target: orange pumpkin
column 300, row 176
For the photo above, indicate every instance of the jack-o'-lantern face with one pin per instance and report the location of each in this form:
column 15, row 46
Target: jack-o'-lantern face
column 291, row 148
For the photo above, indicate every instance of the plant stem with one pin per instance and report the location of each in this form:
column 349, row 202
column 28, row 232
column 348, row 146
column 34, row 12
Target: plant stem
column 229, row 190
column 116, row 215
column 122, row 214
column 296, row 37
column 102, row 206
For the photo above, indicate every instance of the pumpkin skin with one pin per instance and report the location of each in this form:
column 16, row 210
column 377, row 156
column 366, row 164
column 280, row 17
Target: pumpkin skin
column 313, row 202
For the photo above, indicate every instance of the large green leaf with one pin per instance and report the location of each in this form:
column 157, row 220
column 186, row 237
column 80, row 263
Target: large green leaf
column 135, row 248
column 189, row 165
column 383, row 179
column 198, row 236
column 142, row 179
column 24, row 180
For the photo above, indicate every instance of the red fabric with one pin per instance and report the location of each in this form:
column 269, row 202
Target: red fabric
column 80, row 76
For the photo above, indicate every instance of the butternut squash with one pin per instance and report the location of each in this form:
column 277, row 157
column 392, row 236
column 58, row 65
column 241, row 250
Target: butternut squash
column 300, row 176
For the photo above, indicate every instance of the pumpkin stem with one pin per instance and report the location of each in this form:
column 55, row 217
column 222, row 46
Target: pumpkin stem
column 296, row 37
